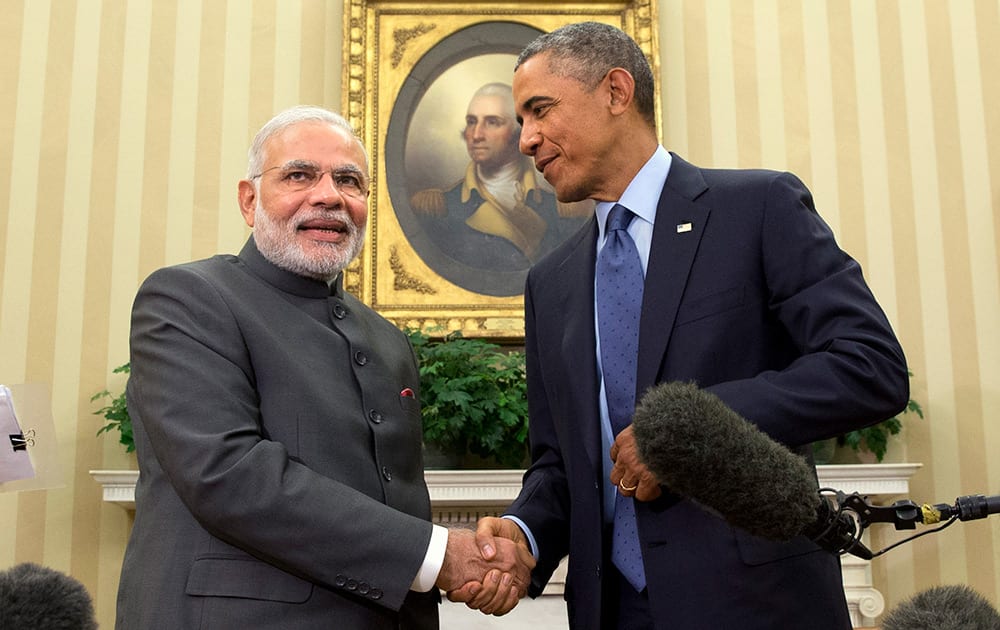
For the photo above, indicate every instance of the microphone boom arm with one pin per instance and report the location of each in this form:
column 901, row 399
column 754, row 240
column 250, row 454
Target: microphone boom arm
column 905, row 514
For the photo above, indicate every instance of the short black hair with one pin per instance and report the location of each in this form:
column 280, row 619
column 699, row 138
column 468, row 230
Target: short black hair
column 586, row 51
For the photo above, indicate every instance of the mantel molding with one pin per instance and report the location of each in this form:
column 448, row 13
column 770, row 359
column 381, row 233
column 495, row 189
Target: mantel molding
column 497, row 488
column 868, row 479
column 118, row 486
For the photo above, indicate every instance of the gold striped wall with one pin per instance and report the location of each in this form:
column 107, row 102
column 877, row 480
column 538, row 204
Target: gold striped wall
column 124, row 125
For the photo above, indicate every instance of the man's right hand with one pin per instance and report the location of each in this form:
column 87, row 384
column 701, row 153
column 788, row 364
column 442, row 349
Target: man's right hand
column 497, row 593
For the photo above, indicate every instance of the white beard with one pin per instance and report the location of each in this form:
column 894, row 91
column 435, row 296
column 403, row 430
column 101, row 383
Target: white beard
column 276, row 242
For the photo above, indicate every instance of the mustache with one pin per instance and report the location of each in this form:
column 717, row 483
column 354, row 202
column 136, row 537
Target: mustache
column 331, row 214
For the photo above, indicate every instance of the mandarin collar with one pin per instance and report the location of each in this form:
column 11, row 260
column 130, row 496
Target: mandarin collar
column 285, row 280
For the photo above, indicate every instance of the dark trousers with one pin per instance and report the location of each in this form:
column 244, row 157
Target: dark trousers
column 622, row 608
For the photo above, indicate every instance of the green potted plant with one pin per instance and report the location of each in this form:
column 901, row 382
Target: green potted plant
column 116, row 413
column 473, row 400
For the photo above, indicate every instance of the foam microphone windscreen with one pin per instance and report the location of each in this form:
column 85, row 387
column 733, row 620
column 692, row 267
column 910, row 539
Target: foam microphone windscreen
column 702, row 450
column 953, row 607
column 33, row 597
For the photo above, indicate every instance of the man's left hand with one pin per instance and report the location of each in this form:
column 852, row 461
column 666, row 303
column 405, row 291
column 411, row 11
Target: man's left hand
column 629, row 474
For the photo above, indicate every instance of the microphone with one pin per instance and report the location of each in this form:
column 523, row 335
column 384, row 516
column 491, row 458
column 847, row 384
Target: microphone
column 955, row 607
column 704, row 451
column 33, row 597
column 701, row 449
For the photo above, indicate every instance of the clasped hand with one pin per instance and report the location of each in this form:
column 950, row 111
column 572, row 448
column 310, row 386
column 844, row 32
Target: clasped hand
column 491, row 569
column 488, row 570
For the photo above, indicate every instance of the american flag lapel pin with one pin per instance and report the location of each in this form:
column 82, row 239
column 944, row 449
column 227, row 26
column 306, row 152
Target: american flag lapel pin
column 684, row 227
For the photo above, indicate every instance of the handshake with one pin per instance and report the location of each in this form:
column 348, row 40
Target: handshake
column 488, row 570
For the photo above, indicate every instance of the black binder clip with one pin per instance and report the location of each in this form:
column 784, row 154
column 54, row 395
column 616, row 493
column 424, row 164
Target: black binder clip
column 21, row 441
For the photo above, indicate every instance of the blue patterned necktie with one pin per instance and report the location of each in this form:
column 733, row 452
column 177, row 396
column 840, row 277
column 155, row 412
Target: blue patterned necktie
column 619, row 305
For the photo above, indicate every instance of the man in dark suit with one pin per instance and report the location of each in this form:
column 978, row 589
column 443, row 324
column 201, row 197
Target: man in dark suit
column 742, row 289
column 277, row 423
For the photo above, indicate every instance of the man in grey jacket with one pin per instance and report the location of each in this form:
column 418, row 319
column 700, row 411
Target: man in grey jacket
column 277, row 423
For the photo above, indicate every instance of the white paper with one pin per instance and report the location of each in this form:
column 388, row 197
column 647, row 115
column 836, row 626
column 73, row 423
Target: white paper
column 14, row 464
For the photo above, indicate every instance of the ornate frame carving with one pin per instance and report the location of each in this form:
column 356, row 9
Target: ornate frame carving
column 394, row 52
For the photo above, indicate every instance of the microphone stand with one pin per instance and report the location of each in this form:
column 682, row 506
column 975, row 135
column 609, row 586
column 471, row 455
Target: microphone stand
column 904, row 514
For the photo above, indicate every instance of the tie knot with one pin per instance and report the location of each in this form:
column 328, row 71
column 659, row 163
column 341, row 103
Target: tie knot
column 619, row 218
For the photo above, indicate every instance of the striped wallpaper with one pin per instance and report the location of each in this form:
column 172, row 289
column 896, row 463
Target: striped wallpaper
column 123, row 131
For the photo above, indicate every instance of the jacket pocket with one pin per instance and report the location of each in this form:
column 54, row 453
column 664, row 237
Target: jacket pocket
column 756, row 551
column 247, row 578
column 709, row 305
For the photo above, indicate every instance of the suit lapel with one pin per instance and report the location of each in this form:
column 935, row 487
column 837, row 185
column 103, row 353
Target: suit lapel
column 574, row 295
column 680, row 224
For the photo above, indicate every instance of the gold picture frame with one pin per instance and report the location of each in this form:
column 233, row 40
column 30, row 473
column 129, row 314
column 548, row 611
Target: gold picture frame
column 409, row 70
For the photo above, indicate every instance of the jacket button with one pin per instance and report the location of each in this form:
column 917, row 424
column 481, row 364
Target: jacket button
column 352, row 585
column 375, row 416
column 340, row 580
column 364, row 587
column 386, row 473
column 339, row 311
column 360, row 358
column 375, row 593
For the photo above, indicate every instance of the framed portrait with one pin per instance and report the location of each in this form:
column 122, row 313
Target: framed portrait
column 456, row 215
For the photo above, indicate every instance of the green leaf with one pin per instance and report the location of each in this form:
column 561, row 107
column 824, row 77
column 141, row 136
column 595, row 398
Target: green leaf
column 116, row 413
column 473, row 396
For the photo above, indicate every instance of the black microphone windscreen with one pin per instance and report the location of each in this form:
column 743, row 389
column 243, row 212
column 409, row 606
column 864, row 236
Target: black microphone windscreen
column 33, row 597
column 953, row 607
column 701, row 449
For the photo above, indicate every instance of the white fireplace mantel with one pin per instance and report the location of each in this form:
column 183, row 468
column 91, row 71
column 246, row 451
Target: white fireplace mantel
column 460, row 497
column 492, row 488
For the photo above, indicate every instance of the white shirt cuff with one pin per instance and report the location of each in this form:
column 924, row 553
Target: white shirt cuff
column 433, row 559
